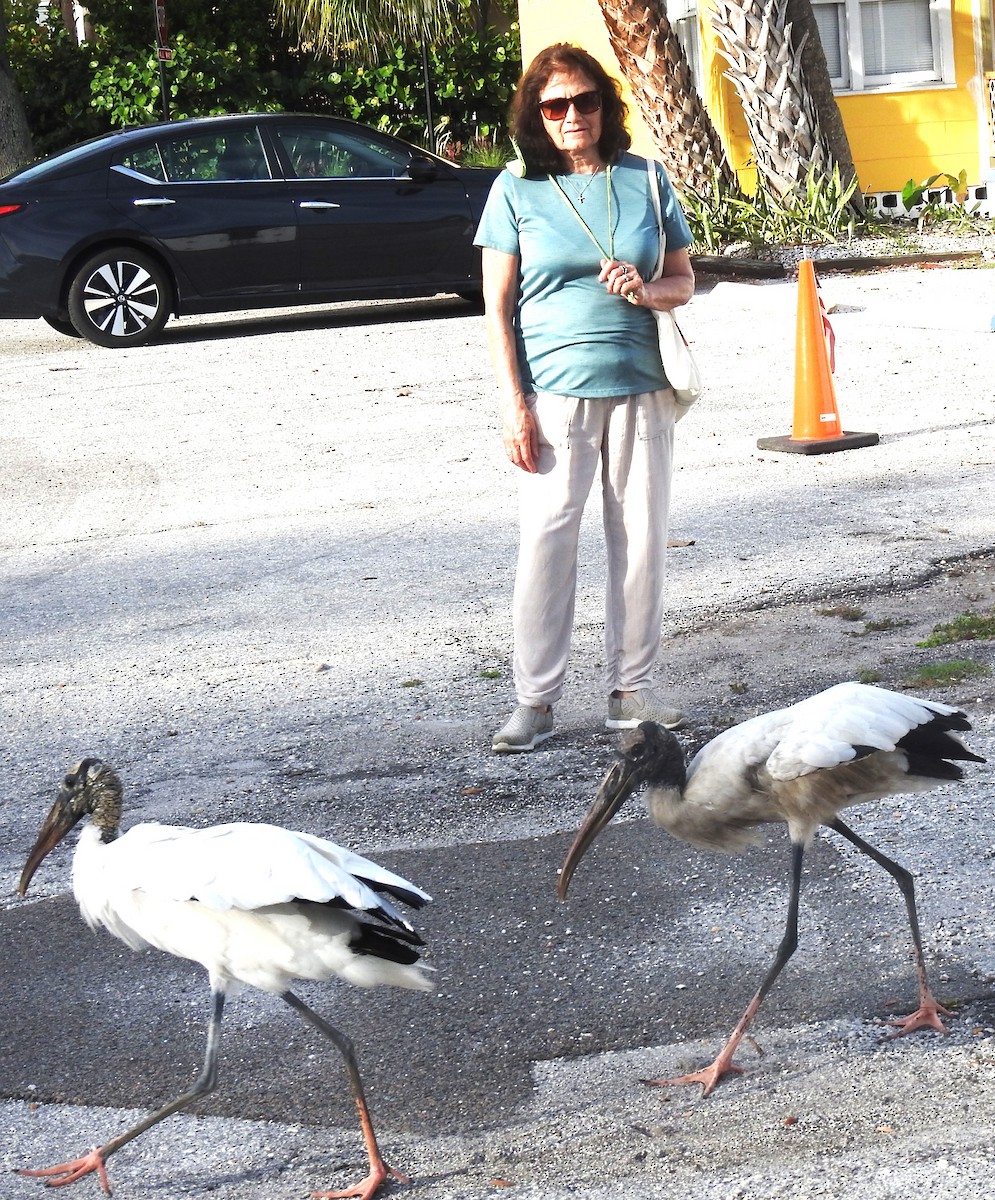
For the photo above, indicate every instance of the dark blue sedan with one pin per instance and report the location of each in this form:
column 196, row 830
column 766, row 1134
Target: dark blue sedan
column 108, row 239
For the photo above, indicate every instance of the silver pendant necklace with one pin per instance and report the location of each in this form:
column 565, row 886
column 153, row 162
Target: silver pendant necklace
column 610, row 252
column 581, row 193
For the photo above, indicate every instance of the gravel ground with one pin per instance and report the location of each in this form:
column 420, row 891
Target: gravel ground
column 265, row 568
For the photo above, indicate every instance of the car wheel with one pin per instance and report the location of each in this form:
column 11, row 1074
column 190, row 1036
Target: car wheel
column 120, row 297
column 63, row 325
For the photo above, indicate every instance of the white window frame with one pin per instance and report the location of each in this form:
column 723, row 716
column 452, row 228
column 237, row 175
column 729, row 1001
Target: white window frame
column 683, row 17
column 856, row 79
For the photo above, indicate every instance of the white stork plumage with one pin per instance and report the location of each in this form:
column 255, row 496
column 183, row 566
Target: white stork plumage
column 253, row 903
column 800, row 765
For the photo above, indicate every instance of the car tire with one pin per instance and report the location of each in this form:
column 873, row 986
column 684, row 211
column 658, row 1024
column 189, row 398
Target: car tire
column 120, row 297
column 63, row 325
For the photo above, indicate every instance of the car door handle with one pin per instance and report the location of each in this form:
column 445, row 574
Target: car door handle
column 153, row 202
column 318, row 204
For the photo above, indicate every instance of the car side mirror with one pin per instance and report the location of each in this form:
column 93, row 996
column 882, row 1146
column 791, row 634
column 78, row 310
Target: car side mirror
column 422, row 170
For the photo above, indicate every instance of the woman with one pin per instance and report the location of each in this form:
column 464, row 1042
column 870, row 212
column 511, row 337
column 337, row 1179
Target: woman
column 581, row 381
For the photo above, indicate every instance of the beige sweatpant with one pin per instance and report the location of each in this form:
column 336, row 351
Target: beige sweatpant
column 632, row 438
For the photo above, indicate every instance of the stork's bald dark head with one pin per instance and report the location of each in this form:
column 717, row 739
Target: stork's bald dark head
column 90, row 788
column 647, row 754
column 650, row 754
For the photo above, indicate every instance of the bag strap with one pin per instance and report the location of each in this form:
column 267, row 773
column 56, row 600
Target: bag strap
column 654, row 184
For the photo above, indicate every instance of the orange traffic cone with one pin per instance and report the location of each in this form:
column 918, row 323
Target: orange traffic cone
column 816, row 426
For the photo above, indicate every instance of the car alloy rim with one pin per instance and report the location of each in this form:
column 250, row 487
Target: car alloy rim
column 121, row 298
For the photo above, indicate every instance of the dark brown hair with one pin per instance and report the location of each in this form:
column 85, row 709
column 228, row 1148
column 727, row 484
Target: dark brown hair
column 525, row 119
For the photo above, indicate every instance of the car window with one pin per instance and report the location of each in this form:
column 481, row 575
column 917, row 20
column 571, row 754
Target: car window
column 340, row 154
column 145, row 161
column 200, row 158
column 39, row 170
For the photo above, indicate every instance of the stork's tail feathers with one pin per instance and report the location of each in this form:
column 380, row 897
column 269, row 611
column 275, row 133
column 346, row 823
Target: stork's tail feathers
column 392, row 945
column 931, row 747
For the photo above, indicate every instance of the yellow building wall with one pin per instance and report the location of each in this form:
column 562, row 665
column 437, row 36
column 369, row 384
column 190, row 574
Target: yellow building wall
column 900, row 135
column 894, row 135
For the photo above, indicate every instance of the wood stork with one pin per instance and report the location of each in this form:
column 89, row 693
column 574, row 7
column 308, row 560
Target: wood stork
column 800, row 765
column 253, row 903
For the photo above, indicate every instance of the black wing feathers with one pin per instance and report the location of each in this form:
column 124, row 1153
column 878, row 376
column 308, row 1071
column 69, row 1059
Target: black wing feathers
column 391, row 944
column 411, row 899
column 934, row 741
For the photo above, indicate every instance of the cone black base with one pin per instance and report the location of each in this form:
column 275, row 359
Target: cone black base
column 845, row 441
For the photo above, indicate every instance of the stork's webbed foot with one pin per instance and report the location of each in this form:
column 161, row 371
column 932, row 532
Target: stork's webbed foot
column 367, row 1187
column 926, row 1016
column 69, row 1172
column 708, row 1077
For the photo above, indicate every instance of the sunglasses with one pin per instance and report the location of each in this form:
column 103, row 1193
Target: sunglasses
column 557, row 108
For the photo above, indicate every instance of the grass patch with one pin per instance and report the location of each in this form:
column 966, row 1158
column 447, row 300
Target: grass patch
column 944, row 674
column 867, row 675
column 968, row 627
column 491, row 674
column 846, row 612
column 884, row 624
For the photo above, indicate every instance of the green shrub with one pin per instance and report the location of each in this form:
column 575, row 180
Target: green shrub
column 722, row 217
column 234, row 58
column 964, row 628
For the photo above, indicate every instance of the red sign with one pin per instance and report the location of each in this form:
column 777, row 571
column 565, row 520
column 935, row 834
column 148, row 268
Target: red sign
column 162, row 33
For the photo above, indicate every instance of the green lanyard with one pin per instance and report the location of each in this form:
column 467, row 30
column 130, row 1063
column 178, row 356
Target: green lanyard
column 587, row 229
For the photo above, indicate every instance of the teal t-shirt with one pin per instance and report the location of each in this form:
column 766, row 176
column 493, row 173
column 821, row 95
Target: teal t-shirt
column 574, row 338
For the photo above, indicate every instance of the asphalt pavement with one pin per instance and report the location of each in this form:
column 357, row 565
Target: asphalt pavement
column 264, row 567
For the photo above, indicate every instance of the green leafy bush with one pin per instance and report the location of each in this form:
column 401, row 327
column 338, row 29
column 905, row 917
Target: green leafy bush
column 822, row 213
column 723, row 217
column 964, row 628
column 234, row 58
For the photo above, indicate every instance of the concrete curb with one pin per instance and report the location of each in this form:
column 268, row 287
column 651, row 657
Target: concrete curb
column 760, row 268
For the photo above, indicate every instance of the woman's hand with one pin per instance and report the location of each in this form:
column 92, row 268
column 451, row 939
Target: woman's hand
column 622, row 279
column 520, row 433
column 673, row 288
column 521, row 438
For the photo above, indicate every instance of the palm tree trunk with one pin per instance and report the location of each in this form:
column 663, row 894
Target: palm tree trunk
column 815, row 71
column 15, row 138
column 765, row 59
column 657, row 70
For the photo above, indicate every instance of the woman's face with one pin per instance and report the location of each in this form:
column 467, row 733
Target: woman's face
column 575, row 132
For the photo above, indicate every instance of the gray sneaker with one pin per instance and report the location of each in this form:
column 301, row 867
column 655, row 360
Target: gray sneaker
column 626, row 712
column 524, row 730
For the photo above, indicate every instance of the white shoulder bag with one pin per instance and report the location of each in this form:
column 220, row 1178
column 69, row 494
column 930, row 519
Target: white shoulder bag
column 678, row 361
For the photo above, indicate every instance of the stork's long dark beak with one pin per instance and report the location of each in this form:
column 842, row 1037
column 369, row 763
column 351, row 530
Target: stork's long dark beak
column 616, row 787
column 58, row 823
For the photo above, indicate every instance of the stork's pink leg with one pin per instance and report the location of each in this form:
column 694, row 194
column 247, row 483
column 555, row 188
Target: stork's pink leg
column 76, row 1168
column 367, row 1187
column 379, row 1172
column 69, row 1172
column 709, row 1076
column 927, row 1015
